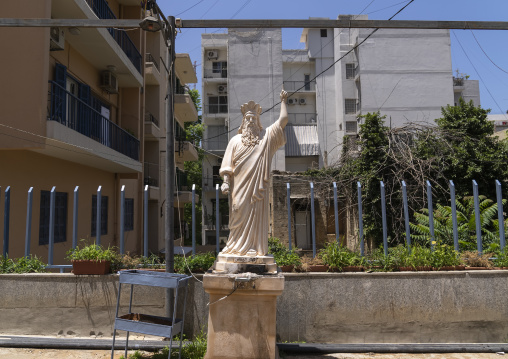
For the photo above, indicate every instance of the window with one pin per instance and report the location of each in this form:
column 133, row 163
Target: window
column 217, row 180
column 104, row 215
column 220, row 67
column 60, row 228
column 218, row 138
column 350, row 71
column 128, row 215
column 350, row 105
column 324, row 33
column 217, row 104
column 307, row 82
column 351, row 126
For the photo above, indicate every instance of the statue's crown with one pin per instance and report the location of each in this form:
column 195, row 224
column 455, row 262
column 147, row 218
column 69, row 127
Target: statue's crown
column 251, row 106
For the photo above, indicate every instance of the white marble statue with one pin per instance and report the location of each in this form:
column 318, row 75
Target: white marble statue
column 246, row 172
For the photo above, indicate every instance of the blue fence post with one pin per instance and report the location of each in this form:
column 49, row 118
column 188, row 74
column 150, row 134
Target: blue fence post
column 477, row 218
column 336, row 212
column 431, row 215
column 122, row 220
column 98, row 217
column 454, row 217
column 51, row 225
column 383, row 215
column 28, row 233
column 406, row 216
column 193, row 220
column 7, row 216
column 217, row 218
column 500, row 218
column 313, row 220
column 288, row 201
column 75, row 218
column 145, row 221
column 360, row 219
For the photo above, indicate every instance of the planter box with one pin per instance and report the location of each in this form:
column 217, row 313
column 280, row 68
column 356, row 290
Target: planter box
column 90, row 267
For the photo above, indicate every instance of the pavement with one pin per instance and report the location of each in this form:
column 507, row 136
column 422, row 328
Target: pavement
column 23, row 353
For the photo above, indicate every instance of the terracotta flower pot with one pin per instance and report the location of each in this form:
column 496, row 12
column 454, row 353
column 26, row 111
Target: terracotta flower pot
column 424, row 268
column 288, row 268
column 352, row 269
column 447, row 268
column 407, row 269
column 461, row 267
column 318, row 268
column 90, row 267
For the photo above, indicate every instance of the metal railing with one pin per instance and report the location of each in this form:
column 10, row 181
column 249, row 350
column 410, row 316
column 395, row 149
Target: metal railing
column 151, row 118
column 103, row 11
column 300, row 86
column 302, row 118
column 216, row 144
column 150, row 58
column 214, row 109
column 216, row 73
column 74, row 113
column 151, row 174
column 181, row 90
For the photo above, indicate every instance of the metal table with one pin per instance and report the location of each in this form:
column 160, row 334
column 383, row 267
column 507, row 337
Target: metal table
column 148, row 324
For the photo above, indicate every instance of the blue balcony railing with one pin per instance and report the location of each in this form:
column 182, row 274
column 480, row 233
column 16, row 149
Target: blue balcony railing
column 103, row 11
column 70, row 111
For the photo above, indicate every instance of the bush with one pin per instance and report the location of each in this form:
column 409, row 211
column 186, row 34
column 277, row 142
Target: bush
column 336, row 256
column 30, row 264
column 197, row 263
column 282, row 255
column 91, row 252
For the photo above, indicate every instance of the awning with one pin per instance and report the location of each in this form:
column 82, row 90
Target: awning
column 301, row 141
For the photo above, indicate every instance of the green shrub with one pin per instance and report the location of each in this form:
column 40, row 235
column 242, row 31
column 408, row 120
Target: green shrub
column 200, row 262
column 30, row 264
column 91, row 252
column 336, row 256
column 282, row 255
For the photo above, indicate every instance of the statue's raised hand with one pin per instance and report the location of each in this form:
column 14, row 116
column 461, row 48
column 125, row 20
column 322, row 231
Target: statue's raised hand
column 283, row 96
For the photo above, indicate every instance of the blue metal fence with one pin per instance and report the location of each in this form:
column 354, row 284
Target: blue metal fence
column 7, row 200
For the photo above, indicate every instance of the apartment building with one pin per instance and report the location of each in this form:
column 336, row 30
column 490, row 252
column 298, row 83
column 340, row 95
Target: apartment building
column 86, row 107
column 406, row 75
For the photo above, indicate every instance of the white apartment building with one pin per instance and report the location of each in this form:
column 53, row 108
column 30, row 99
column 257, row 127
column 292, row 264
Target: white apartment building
column 406, row 75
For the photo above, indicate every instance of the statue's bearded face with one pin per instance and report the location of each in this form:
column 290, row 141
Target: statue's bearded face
column 250, row 129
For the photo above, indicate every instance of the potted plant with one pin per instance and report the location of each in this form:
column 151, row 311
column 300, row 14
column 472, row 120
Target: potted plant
column 286, row 259
column 342, row 259
column 445, row 257
column 91, row 259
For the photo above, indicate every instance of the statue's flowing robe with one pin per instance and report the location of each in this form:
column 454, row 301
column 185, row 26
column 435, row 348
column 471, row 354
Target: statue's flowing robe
column 249, row 170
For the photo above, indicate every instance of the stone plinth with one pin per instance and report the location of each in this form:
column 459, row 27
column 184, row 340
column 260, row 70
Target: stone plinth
column 232, row 264
column 242, row 326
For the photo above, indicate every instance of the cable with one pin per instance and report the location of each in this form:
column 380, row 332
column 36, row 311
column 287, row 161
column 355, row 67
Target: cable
column 402, row 2
column 493, row 63
column 199, row 2
column 477, row 73
column 241, row 8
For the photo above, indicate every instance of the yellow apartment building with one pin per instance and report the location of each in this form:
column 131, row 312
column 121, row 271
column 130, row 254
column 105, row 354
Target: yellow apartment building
column 86, row 107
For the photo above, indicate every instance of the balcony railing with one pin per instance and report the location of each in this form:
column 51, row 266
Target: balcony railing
column 181, row 183
column 181, row 90
column 216, row 108
column 302, row 118
column 103, row 11
column 74, row 113
column 216, row 73
column 150, row 58
column 209, row 182
column 216, row 144
column 151, row 118
column 151, row 174
column 458, row 81
column 300, row 86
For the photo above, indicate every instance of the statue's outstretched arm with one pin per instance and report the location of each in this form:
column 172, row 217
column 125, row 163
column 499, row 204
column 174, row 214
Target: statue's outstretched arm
column 283, row 119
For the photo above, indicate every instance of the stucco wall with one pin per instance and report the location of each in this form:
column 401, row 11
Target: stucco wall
column 425, row 307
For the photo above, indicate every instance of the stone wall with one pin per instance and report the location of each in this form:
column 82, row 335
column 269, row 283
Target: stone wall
column 405, row 307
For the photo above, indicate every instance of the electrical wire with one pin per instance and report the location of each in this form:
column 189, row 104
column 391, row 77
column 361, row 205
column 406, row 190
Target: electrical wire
column 493, row 63
column 196, row 4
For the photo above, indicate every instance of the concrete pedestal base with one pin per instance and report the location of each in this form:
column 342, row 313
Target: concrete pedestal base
column 232, row 264
column 242, row 326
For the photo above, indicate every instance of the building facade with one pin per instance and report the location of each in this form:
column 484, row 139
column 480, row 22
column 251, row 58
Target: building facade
column 406, row 75
column 86, row 107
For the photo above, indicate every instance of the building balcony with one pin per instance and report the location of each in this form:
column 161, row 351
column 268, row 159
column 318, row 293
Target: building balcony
column 216, row 109
column 101, row 47
column 210, row 183
column 185, row 111
column 152, row 128
column 300, row 86
column 152, row 71
column 184, row 151
column 212, row 74
column 93, row 139
column 302, row 118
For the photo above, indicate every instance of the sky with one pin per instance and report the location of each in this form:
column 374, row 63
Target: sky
column 480, row 54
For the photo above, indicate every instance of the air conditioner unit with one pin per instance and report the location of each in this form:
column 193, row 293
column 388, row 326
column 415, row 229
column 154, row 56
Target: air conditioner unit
column 56, row 39
column 292, row 101
column 222, row 88
column 109, row 82
column 303, row 101
column 212, row 54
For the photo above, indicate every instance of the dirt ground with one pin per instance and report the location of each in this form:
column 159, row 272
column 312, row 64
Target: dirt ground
column 12, row 353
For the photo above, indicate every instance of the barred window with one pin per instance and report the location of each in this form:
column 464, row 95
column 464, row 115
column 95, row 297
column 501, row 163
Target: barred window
column 350, row 105
column 350, row 71
column 103, row 220
column 351, row 126
column 60, row 225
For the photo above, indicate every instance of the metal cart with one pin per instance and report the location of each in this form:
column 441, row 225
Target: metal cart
column 148, row 324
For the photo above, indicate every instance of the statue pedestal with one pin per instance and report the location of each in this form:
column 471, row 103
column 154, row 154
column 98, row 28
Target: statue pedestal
column 242, row 326
column 232, row 264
